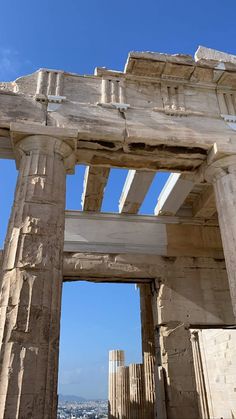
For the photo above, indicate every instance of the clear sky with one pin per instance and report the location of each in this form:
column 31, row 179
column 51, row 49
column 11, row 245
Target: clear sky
column 77, row 36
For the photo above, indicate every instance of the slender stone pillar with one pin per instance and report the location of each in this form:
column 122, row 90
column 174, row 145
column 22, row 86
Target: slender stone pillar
column 116, row 359
column 30, row 295
column 199, row 376
column 148, row 348
column 123, row 393
column 222, row 173
column 179, row 375
column 137, row 392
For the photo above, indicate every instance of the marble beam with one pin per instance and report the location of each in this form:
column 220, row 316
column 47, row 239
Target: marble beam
column 205, row 206
column 174, row 193
column 135, row 189
column 95, row 180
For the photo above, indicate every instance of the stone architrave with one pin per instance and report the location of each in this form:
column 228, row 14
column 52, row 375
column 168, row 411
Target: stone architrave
column 137, row 395
column 123, row 393
column 30, row 295
column 116, row 359
column 222, row 174
column 148, row 348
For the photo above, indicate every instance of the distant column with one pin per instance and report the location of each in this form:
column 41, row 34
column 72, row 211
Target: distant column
column 148, row 348
column 137, row 396
column 123, row 393
column 116, row 359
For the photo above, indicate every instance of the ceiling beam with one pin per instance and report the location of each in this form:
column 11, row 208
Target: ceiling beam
column 173, row 194
column 95, row 180
column 205, row 206
column 135, row 189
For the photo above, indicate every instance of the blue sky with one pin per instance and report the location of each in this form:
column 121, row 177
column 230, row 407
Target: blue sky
column 77, row 36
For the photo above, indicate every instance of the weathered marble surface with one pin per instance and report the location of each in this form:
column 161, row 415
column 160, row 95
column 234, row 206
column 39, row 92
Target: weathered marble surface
column 222, row 173
column 113, row 233
column 30, row 292
column 162, row 112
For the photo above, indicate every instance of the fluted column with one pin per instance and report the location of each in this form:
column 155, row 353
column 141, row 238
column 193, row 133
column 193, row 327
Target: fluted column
column 123, row 393
column 222, row 174
column 199, row 377
column 137, row 396
column 148, row 348
column 116, row 359
column 30, row 295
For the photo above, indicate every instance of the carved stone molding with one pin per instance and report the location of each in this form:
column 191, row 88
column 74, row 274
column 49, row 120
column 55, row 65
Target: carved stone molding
column 49, row 85
column 46, row 145
column 113, row 94
column 26, row 138
column 173, row 99
column 220, row 168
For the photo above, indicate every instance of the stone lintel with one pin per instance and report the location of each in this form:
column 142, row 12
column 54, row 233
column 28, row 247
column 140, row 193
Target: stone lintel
column 133, row 267
column 166, row 236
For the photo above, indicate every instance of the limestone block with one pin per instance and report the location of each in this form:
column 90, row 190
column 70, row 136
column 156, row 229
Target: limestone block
column 217, row 349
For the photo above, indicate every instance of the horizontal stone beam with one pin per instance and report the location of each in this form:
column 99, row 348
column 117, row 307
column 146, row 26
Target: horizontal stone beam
column 107, row 268
column 205, row 206
column 166, row 236
column 135, row 189
column 173, row 194
column 129, row 267
column 95, row 180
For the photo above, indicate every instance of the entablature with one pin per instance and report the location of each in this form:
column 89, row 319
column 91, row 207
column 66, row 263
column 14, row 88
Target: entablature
column 155, row 115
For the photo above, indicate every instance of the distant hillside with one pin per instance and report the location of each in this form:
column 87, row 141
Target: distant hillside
column 70, row 398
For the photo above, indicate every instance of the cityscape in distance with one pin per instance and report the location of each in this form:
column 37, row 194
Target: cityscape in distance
column 76, row 407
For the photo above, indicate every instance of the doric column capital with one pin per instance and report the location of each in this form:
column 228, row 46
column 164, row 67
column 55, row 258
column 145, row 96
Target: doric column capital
column 219, row 168
column 49, row 145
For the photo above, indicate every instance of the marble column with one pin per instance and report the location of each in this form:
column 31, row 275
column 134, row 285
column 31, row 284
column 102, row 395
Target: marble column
column 148, row 348
column 137, row 392
column 30, row 294
column 123, row 393
column 222, row 174
column 199, row 376
column 116, row 359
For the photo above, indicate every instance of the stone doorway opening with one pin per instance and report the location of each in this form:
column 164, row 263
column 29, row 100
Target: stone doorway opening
column 96, row 317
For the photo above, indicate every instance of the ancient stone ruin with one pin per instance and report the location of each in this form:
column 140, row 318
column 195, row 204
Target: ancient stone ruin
column 163, row 113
